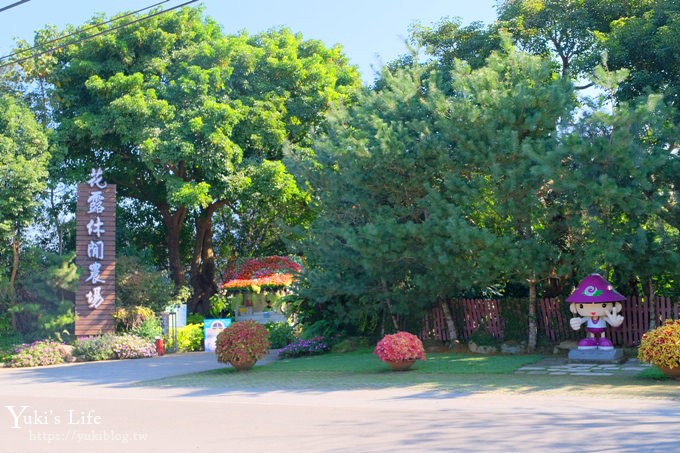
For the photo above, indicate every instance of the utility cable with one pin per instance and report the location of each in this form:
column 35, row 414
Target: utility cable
column 83, row 30
column 127, row 24
column 5, row 8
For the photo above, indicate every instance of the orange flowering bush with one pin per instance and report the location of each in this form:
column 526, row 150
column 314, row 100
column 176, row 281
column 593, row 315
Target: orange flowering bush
column 661, row 346
column 400, row 346
column 244, row 341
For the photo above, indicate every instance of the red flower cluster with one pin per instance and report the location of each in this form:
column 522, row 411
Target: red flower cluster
column 270, row 272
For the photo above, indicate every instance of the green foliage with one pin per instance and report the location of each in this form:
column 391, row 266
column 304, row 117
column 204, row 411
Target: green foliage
column 39, row 353
column 643, row 41
column 128, row 319
column 351, row 344
column 220, row 307
column 190, row 338
column 562, row 29
column 272, row 209
column 141, row 284
column 8, row 345
column 23, row 167
column 414, row 182
column 449, row 41
column 482, row 337
column 194, row 121
column 149, row 329
column 95, row 348
column 45, row 290
column 195, row 318
column 280, row 334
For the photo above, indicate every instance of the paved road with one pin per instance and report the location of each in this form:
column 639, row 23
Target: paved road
column 95, row 407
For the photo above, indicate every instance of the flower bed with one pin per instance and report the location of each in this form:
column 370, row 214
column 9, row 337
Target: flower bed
column 661, row 346
column 302, row 347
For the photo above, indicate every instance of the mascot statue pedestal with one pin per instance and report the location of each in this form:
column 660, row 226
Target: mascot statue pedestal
column 596, row 356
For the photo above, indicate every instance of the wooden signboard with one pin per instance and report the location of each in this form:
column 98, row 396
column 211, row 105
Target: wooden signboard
column 96, row 256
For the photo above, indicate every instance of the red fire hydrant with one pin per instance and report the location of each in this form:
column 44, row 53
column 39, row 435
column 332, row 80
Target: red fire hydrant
column 160, row 347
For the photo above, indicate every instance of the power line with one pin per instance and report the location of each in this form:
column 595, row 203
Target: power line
column 83, row 30
column 13, row 5
column 52, row 49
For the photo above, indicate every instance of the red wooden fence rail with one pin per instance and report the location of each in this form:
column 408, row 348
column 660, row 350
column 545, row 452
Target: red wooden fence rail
column 553, row 316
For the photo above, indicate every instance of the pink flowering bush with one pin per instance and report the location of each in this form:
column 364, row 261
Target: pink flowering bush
column 661, row 346
column 132, row 347
column 38, row 353
column 244, row 341
column 400, row 346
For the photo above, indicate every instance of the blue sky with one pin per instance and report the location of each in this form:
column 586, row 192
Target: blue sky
column 372, row 32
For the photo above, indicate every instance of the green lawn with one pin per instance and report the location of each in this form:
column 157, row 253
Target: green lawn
column 441, row 372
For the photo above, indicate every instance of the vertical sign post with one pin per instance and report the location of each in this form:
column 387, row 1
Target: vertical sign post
column 96, row 255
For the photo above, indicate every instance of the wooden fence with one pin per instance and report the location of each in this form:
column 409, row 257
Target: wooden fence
column 470, row 315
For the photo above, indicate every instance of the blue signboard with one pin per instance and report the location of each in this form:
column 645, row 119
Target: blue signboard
column 212, row 328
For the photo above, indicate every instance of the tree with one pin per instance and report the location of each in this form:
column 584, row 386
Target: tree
column 180, row 114
column 23, row 172
column 448, row 41
column 560, row 28
column 645, row 43
column 509, row 115
column 271, row 210
column 427, row 190
column 615, row 169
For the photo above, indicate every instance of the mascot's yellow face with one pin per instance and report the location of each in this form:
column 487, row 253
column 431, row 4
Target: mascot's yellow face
column 595, row 310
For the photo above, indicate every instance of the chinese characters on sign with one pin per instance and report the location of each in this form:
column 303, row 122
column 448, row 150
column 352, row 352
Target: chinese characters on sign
column 95, row 249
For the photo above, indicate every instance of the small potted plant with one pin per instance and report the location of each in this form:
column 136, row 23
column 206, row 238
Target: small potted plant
column 661, row 348
column 400, row 350
column 242, row 344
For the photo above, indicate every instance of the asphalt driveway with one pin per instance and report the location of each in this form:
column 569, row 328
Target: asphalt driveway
column 96, row 407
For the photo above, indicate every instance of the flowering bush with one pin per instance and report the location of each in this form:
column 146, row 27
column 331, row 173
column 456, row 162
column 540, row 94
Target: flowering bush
column 38, row 353
column 268, row 272
column 132, row 347
column 244, row 341
column 95, row 348
column 400, row 346
column 661, row 346
column 302, row 347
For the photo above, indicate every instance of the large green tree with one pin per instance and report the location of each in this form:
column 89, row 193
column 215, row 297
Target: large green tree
column 23, row 175
column 616, row 170
column 179, row 115
column 645, row 42
column 386, row 242
column 510, row 112
column 427, row 190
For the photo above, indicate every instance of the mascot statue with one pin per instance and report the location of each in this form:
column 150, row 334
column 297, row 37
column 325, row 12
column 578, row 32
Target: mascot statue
column 595, row 303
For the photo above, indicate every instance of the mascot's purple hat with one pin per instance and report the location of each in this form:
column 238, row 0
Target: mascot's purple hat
column 594, row 289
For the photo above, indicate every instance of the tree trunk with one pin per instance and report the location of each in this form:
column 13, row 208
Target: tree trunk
column 388, row 302
column 173, row 225
column 13, row 275
column 203, row 271
column 650, row 297
column 453, row 333
column 533, row 329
